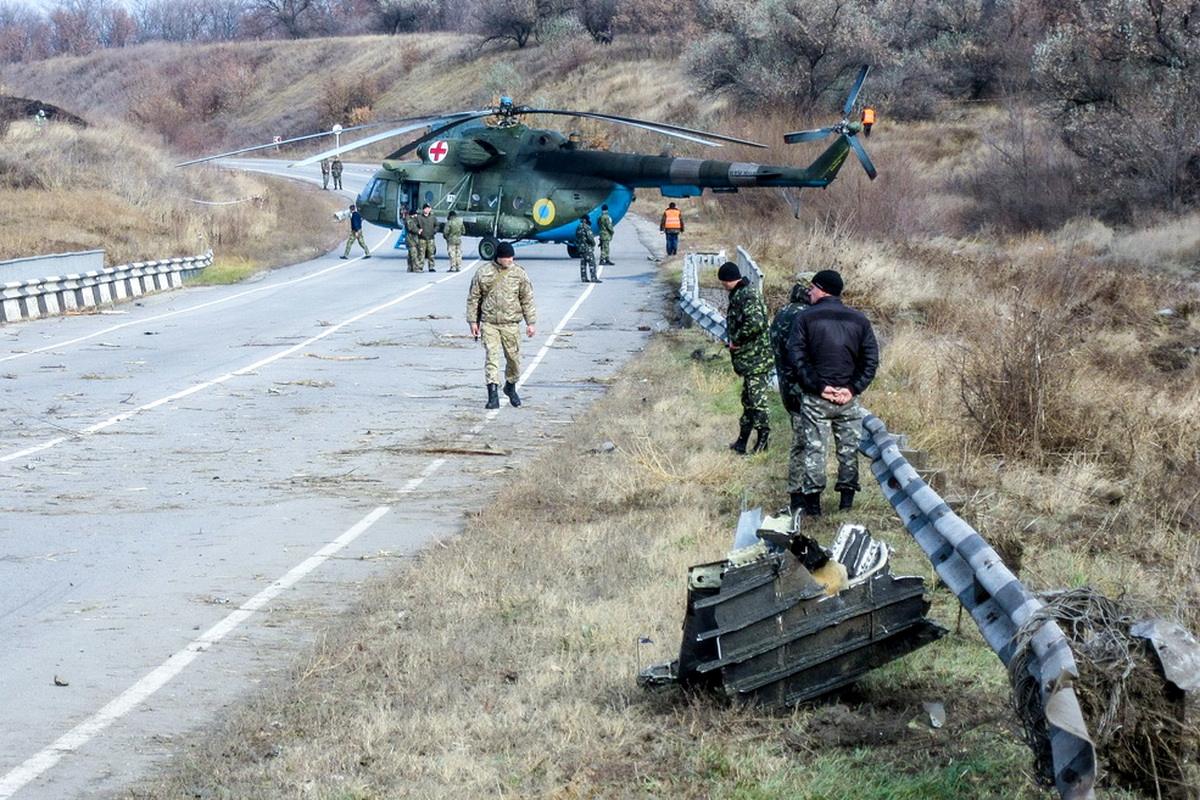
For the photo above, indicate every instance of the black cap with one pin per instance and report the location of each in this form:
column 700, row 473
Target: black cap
column 828, row 281
column 427, row 206
column 505, row 250
column 729, row 272
column 452, row 214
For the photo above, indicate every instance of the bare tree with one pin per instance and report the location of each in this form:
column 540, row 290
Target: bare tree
column 1123, row 81
column 598, row 17
column 794, row 51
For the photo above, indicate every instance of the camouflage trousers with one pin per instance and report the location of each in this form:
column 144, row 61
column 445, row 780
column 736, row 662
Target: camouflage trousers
column 455, row 256
column 605, row 241
column 414, row 256
column 587, row 264
column 427, row 249
column 498, row 339
column 811, row 429
column 755, row 393
column 355, row 236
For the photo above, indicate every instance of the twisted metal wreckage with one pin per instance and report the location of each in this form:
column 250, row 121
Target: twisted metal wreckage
column 781, row 620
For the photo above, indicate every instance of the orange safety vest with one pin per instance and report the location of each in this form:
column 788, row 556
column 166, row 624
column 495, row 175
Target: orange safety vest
column 673, row 219
column 868, row 116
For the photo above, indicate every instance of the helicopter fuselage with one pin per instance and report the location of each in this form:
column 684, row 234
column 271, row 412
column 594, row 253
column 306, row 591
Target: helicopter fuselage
column 521, row 183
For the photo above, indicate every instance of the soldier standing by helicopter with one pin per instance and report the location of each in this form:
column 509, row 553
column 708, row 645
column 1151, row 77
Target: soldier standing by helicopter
column 335, row 169
column 453, row 231
column 427, row 225
column 412, row 238
column 500, row 296
column 671, row 225
column 586, row 244
column 606, row 235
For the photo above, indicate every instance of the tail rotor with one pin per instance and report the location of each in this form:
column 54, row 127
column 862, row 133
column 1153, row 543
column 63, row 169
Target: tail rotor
column 846, row 128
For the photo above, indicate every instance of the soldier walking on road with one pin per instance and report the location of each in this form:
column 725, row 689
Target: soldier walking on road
column 832, row 356
column 501, row 295
column 671, row 225
column 750, row 350
column 325, row 173
column 606, row 233
column 453, row 232
column 428, row 225
column 585, row 243
column 355, row 233
column 335, row 169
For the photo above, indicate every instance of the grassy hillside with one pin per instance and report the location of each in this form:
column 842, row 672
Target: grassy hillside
column 1053, row 376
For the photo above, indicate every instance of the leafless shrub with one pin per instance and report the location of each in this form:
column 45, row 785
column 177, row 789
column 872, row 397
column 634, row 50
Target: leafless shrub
column 1026, row 181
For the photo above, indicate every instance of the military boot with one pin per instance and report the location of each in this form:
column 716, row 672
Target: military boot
column 740, row 445
column 760, row 442
column 812, row 504
column 493, row 396
column 847, row 501
column 510, row 389
column 795, row 503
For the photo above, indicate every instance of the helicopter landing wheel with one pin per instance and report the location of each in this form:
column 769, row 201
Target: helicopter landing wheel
column 572, row 251
column 487, row 247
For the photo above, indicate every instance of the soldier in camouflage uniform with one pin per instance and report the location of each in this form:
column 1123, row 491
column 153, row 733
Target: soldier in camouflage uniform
column 427, row 224
column 789, row 391
column 586, row 244
column 750, row 349
column 412, row 238
column 453, row 231
column 831, row 359
column 606, row 229
column 500, row 296
column 335, row 169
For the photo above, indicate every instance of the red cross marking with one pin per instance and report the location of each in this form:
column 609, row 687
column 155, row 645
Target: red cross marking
column 437, row 151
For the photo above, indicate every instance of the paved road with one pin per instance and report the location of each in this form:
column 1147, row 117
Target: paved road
column 189, row 482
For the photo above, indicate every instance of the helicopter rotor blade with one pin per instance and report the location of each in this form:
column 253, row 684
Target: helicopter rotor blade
column 808, row 136
column 296, row 139
column 862, row 76
column 691, row 134
column 438, row 131
column 419, row 122
column 863, row 157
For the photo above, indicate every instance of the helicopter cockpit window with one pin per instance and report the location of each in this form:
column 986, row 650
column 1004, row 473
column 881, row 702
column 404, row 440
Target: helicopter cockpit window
column 373, row 194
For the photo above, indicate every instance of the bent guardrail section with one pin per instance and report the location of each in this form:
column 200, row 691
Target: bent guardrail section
column 694, row 307
column 45, row 297
column 997, row 601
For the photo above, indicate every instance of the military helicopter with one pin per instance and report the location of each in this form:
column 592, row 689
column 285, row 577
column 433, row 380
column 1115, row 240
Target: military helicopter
column 509, row 181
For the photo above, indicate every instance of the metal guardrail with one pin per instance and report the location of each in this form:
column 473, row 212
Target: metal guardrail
column 45, row 297
column 997, row 601
column 697, row 309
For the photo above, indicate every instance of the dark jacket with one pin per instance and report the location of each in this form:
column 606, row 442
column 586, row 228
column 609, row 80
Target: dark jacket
column 355, row 222
column 746, row 327
column 832, row 345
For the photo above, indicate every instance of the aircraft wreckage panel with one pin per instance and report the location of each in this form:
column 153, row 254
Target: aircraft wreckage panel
column 767, row 629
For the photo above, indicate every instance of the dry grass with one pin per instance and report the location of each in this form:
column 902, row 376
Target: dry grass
column 64, row 189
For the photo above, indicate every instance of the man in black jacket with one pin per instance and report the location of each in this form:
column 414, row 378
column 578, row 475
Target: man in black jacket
column 831, row 359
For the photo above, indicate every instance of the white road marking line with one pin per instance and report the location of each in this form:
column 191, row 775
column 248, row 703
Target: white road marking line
column 168, row 314
column 99, row 426
column 135, row 695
